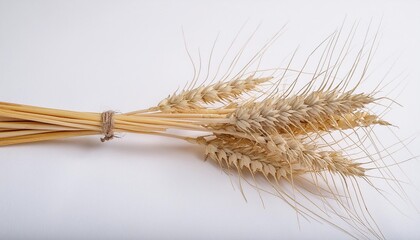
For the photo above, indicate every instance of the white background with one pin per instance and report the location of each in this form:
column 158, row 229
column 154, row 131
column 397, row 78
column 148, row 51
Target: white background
column 127, row 55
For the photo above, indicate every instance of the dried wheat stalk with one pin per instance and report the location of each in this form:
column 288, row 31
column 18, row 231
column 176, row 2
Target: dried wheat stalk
column 281, row 137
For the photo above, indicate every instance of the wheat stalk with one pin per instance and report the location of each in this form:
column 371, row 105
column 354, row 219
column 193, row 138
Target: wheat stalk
column 277, row 135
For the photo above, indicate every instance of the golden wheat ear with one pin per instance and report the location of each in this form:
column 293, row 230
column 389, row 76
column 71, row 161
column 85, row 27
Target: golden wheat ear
column 225, row 92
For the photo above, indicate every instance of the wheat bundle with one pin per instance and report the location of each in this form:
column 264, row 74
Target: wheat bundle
column 281, row 136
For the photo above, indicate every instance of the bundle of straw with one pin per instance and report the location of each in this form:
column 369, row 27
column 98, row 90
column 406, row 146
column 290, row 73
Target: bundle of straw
column 279, row 135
